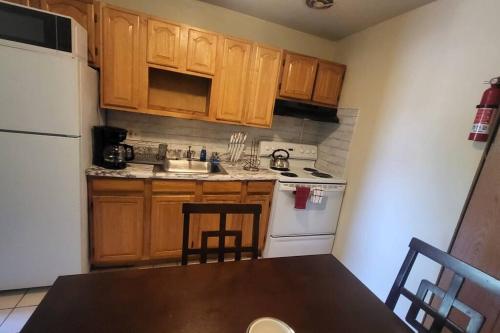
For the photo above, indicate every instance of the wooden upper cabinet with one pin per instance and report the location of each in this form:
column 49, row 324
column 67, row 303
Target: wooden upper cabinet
column 117, row 227
column 31, row 3
column 167, row 224
column 298, row 77
column 328, row 83
column 19, row 2
column 83, row 13
column 264, row 75
column 163, row 43
column 120, row 58
column 201, row 52
column 233, row 77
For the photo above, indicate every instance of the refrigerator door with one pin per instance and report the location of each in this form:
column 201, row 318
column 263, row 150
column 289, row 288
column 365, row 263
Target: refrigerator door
column 39, row 92
column 40, row 220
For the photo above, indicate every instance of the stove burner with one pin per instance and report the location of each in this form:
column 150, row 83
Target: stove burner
column 321, row 174
column 280, row 169
column 310, row 169
column 289, row 174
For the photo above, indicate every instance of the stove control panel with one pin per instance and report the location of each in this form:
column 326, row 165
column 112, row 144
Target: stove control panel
column 325, row 187
column 296, row 150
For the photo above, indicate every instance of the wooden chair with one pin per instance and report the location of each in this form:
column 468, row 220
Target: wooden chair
column 448, row 297
column 221, row 250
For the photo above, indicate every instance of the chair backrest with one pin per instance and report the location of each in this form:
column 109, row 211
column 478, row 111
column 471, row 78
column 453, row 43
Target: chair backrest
column 222, row 233
column 448, row 297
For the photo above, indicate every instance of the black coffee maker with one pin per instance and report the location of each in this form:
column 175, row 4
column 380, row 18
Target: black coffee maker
column 107, row 149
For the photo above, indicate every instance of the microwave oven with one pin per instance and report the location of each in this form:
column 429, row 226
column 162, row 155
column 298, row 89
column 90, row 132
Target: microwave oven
column 30, row 26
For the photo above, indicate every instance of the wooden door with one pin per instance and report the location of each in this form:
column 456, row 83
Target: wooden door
column 477, row 241
column 120, row 61
column 83, row 13
column 207, row 222
column 202, row 51
column 264, row 74
column 167, row 222
column 163, row 43
column 328, row 83
column 247, row 224
column 232, row 88
column 117, row 227
column 298, row 76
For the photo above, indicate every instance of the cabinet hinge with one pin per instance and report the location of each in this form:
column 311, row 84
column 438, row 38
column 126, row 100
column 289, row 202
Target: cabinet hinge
column 96, row 51
column 95, row 18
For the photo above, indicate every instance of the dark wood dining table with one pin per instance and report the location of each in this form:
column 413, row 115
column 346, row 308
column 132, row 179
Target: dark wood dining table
column 310, row 293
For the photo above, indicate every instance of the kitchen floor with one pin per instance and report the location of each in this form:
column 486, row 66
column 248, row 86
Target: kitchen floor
column 17, row 306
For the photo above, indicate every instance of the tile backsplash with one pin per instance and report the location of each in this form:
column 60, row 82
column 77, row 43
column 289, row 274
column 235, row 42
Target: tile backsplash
column 333, row 140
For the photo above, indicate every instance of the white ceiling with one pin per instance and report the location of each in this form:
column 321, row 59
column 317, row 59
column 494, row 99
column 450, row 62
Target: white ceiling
column 344, row 18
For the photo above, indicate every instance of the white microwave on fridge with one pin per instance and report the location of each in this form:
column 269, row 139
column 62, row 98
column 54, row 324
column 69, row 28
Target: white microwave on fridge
column 41, row 29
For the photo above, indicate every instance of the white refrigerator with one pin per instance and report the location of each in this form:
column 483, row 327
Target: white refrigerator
column 48, row 105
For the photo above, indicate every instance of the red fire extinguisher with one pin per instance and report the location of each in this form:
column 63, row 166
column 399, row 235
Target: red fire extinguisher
column 486, row 112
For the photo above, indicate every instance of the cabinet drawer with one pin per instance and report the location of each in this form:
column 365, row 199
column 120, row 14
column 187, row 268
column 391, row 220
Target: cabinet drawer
column 175, row 186
column 221, row 187
column 260, row 187
column 120, row 185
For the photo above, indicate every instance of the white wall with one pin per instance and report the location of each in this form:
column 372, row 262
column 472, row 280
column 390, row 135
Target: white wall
column 416, row 79
column 207, row 16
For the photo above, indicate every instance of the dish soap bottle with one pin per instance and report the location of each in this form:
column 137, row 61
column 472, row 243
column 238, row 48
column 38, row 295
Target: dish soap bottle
column 203, row 154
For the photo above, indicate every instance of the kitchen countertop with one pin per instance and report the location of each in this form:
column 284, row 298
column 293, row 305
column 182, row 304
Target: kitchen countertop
column 145, row 171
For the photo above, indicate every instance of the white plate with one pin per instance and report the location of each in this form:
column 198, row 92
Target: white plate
column 269, row 325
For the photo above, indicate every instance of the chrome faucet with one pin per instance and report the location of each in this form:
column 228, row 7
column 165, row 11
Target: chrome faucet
column 190, row 154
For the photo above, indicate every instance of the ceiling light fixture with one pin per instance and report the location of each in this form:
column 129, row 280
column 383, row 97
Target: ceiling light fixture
column 319, row 4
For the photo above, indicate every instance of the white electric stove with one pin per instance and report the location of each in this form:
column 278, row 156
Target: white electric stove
column 295, row 232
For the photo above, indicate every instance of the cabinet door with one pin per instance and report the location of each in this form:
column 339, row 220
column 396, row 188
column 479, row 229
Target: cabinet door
column 202, row 50
column 233, row 80
column 207, row 222
column 167, row 222
column 82, row 12
column 298, row 77
column 163, row 43
column 120, row 65
column 19, row 2
column 264, row 75
column 328, row 83
column 247, row 226
column 117, row 228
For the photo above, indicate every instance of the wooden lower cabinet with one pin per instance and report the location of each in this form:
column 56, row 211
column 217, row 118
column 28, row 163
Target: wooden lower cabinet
column 133, row 221
column 117, row 228
column 167, row 225
column 265, row 202
column 209, row 222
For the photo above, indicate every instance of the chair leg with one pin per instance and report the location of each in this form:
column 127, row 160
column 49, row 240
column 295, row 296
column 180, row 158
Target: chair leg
column 222, row 236
column 203, row 248
column 185, row 240
column 237, row 243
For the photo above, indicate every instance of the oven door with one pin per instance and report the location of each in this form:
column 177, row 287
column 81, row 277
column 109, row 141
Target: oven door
column 316, row 219
column 298, row 246
column 29, row 26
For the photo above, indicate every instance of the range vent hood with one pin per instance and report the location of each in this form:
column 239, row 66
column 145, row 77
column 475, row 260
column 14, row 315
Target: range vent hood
column 305, row 111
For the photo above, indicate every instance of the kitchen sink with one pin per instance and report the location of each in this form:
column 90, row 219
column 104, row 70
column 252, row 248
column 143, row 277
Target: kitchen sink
column 189, row 167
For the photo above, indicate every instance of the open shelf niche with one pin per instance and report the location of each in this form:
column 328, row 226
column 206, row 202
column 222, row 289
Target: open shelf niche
column 177, row 92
